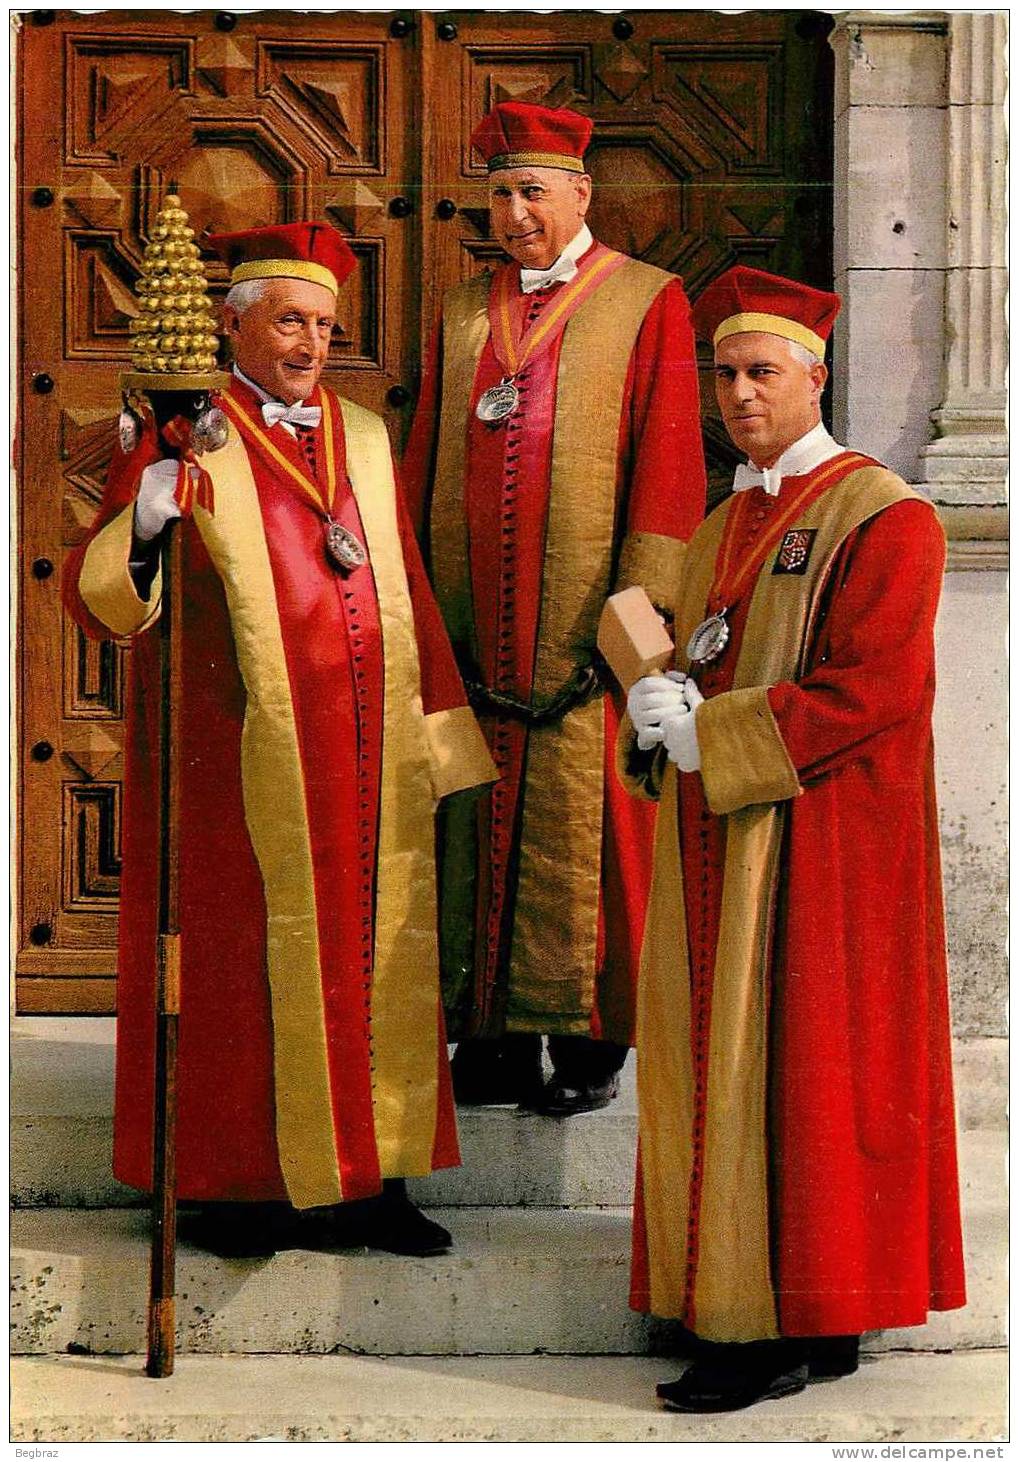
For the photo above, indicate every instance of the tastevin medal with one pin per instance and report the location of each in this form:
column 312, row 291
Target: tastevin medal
column 709, row 639
column 498, row 401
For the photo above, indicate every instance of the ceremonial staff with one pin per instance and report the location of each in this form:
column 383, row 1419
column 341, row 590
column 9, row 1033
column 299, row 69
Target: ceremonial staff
column 173, row 359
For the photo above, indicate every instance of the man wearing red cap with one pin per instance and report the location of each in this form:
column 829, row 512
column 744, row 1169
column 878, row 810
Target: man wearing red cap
column 555, row 457
column 797, row 1181
column 323, row 717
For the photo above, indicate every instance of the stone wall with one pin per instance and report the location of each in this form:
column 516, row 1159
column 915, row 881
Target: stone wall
column 919, row 381
column 971, row 750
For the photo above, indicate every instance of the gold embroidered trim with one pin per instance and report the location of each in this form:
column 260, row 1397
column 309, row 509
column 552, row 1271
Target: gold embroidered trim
column 553, row 955
column 655, row 562
column 405, row 980
column 743, row 756
column 460, row 756
column 105, row 582
column 535, row 160
column 752, row 321
column 286, row 269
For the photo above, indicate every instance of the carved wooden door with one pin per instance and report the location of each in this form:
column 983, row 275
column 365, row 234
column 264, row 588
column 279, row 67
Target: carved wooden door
column 274, row 118
column 712, row 146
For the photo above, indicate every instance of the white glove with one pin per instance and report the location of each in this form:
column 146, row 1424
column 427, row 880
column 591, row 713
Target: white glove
column 691, row 694
column 651, row 700
column 679, row 733
column 156, row 506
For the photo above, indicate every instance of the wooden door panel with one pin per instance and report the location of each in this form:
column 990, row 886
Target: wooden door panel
column 286, row 117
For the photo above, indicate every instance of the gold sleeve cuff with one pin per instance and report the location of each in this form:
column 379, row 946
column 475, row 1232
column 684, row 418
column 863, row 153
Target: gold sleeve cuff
column 459, row 754
column 105, row 582
column 654, row 561
column 743, row 757
column 641, row 772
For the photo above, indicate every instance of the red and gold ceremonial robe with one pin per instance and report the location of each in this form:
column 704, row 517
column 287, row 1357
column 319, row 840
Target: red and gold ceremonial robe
column 528, row 524
column 323, row 718
column 797, row 1170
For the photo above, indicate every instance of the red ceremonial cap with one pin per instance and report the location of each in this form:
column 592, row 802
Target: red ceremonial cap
column 314, row 251
column 742, row 300
column 520, row 134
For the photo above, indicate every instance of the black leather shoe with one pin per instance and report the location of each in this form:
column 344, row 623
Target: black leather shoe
column 499, row 1072
column 240, row 1230
column 390, row 1222
column 733, row 1383
column 558, row 1100
column 831, row 1356
column 404, row 1229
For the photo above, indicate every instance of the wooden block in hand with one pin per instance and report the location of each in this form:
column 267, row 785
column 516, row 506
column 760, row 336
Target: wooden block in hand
column 632, row 637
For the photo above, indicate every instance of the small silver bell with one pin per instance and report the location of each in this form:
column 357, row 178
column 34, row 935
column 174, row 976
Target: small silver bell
column 210, row 431
column 129, row 429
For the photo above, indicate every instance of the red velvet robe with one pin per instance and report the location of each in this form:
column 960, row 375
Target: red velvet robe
column 659, row 492
column 863, row 1214
column 335, row 644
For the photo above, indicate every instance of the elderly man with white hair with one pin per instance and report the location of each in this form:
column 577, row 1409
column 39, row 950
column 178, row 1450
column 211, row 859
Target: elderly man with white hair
column 323, row 718
column 797, row 1180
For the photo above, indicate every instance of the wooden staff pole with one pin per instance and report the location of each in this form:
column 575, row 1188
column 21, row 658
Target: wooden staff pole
column 162, row 1308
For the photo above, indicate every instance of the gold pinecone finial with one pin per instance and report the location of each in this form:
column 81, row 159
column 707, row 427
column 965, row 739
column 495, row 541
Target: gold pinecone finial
column 174, row 334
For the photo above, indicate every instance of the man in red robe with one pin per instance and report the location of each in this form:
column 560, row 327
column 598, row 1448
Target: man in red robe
column 797, row 1180
column 555, row 457
column 323, row 718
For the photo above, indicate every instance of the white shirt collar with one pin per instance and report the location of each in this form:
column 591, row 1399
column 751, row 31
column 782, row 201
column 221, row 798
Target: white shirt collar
column 806, row 454
column 564, row 268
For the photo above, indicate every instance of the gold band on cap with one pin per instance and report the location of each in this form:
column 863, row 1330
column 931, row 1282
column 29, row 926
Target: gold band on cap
column 286, row 269
column 770, row 325
column 535, row 160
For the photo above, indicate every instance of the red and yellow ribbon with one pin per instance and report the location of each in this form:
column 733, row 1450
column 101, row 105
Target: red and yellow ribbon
column 512, row 354
column 194, row 485
column 734, row 572
column 311, row 490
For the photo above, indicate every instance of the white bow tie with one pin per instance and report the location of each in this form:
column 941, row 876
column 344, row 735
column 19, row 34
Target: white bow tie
column 747, row 476
column 563, row 270
column 274, row 412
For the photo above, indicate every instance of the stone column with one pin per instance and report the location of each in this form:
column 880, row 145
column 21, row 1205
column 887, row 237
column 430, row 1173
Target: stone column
column 965, row 466
column 890, row 231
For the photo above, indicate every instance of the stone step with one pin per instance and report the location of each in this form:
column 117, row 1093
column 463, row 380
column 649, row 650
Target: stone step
column 901, row 1398
column 61, row 1132
column 518, row 1281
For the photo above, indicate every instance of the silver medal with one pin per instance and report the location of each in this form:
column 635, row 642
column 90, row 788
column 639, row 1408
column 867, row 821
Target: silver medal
column 343, row 547
column 708, row 640
column 210, row 431
column 129, row 431
column 497, row 402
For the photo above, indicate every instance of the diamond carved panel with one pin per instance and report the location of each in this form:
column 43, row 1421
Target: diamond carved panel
column 552, row 76
column 87, row 436
column 360, row 305
column 224, row 64
column 633, row 169
column 355, row 206
column 228, row 182
column 115, row 86
column 621, row 71
column 729, row 96
column 99, row 298
column 91, row 881
column 95, row 200
column 335, row 93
